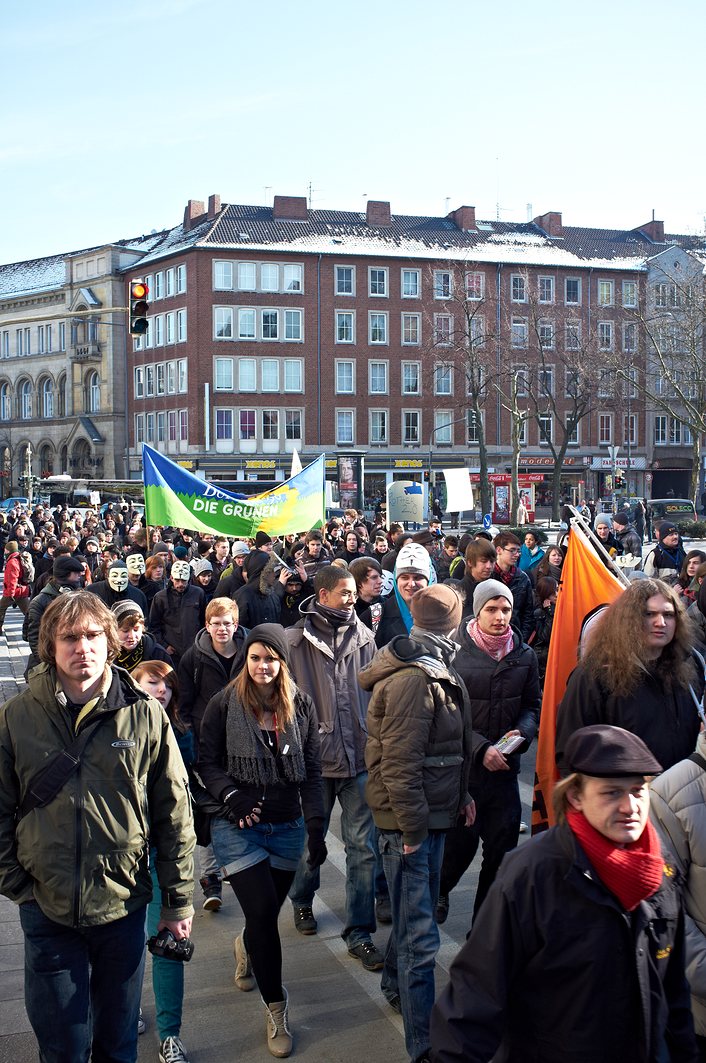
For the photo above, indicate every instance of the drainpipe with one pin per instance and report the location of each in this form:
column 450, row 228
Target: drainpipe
column 318, row 350
column 207, row 416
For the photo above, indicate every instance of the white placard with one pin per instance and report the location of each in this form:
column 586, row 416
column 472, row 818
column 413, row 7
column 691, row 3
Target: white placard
column 459, row 493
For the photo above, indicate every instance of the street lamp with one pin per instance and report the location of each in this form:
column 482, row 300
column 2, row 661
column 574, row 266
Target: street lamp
column 439, row 428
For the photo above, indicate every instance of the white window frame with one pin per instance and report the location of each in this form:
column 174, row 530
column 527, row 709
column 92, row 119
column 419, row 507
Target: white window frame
column 291, row 318
column 443, row 284
column 410, row 438
column 271, row 424
column 337, row 278
column 222, row 323
column 247, row 313
column 289, row 418
column 414, row 320
column 382, row 279
column 182, row 376
column 630, row 294
column 223, row 374
column 417, row 368
column 293, row 375
column 273, row 323
column 374, row 365
column 181, row 326
column 443, row 379
column 344, row 366
column 270, row 383
column 472, row 433
column 443, row 338
column 269, row 270
column 545, row 290
column 348, row 315
column 660, row 430
column 181, row 278
column 604, row 429
column 292, row 277
column 605, row 292
column 222, row 275
column 415, row 275
column 345, row 416
column 518, row 288
column 442, row 434
column 519, row 333
column 246, row 276
column 475, row 292
column 169, row 283
column 139, row 384
column 572, row 302
column 383, row 316
column 547, row 417
column 247, row 366
column 377, row 437
column 606, row 335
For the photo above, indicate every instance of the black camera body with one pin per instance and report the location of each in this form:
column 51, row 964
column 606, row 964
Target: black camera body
column 164, row 944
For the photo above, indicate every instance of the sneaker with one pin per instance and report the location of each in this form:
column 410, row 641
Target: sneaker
column 383, row 911
column 394, row 1001
column 172, row 1050
column 141, row 1024
column 243, row 968
column 523, row 827
column 304, row 919
column 442, row 909
column 212, row 892
column 370, row 956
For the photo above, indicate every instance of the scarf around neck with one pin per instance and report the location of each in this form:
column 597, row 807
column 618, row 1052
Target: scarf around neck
column 496, row 646
column 632, row 873
column 250, row 760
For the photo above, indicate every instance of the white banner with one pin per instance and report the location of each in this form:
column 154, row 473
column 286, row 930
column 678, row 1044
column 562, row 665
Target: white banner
column 405, row 501
column 459, row 493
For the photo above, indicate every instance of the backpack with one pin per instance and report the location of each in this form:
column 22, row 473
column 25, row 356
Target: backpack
column 26, row 569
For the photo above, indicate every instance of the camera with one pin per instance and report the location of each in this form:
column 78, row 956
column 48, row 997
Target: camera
column 166, row 945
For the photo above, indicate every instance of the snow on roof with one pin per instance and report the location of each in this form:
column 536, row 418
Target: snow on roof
column 35, row 276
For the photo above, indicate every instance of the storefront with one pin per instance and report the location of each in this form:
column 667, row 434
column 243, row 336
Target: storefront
column 626, row 478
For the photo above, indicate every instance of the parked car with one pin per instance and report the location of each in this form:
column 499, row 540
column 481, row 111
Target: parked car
column 676, row 509
column 9, row 503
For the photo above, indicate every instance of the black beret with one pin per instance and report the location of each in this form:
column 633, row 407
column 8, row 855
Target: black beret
column 605, row 751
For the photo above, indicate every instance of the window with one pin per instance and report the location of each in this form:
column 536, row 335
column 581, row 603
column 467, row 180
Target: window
column 519, row 331
column 181, row 279
column 159, row 285
column 410, row 329
column 182, row 376
column 605, row 293
column 223, row 377
column 477, row 331
column 442, row 380
column 169, row 285
column 345, row 280
column 40, row 339
column 344, row 426
column 293, row 424
column 181, row 326
column 172, row 420
column 246, row 422
column 292, row 324
column 49, row 346
column 224, row 424
column 605, row 429
column 6, row 344
column 545, row 379
column 660, row 430
column 629, row 337
column 345, row 326
column 630, row 430
column 443, row 329
column 292, row 374
column 378, row 427
column 522, row 434
column 606, row 383
column 475, row 285
column 171, row 378
column 183, row 426
column 605, row 335
column 270, row 424
column 546, row 335
column 378, row 328
column 139, row 382
column 18, row 337
column 410, row 283
column 546, row 289
column 410, row 426
column 5, row 403
column 474, row 426
column 161, row 422
column 377, row 384
column 93, row 393
column 246, row 324
column 546, row 428
column 572, row 383
column 442, row 434
column 270, row 374
column 47, row 398
column 573, row 430
column 345, row 378
column 410, row 378
column 378, row 281
column 139, row 428
column 674, row 432
column 572, row 291
column 518, row 288
column 62, row 335
column 269, row 277
column 223, row 276
column 149, row 381
column 223, row 322
column 520, row 374
column 61, row 411
column 292, row 278
column 161, row 379
column 159, row 330
column 247, row 277
column 247, row 374
column 270, row 325
column 169, row 327
column 630, row 293
column 572, row 337
column 443, row 284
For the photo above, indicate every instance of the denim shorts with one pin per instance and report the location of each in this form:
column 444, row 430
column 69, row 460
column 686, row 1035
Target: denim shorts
column 280, row 843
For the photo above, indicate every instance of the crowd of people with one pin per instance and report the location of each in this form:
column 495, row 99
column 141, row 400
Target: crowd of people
column 197, row 704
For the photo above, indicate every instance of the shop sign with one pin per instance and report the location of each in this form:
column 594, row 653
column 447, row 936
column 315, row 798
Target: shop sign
column 186, row 464
column 549, row 461
column 408, row 463
column 255, row 463
column 620, row 463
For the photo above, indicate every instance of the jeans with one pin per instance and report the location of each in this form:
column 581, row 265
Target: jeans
column 167, row 975
column 410, row 956
column 498, row 814
column 357, row 830
column 83, row 986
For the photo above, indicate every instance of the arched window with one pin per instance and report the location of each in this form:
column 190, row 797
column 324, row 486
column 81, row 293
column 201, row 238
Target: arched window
column 46, row 460
column 62, row 396
column 64, row 459
column 47, row 398
column 5, row 403
column 25, row 400
column 93, row 393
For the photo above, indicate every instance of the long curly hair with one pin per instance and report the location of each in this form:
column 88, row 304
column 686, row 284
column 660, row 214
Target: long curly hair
column 617, row 653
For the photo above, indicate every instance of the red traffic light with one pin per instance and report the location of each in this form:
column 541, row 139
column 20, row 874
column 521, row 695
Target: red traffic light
column 138, row 308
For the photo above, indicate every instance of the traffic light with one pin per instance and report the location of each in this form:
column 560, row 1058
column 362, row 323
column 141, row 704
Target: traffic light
column 138, row 308
column 619, row 478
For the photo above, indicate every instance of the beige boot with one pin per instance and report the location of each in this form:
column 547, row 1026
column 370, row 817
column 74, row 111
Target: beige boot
column 279, row 1038
column 243, row 968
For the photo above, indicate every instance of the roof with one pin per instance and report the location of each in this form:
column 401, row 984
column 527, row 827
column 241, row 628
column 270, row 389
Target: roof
column 253, row 229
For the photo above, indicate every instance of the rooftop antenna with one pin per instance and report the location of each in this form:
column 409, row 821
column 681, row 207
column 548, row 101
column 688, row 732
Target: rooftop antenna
column 311, row 191
column 268, row 188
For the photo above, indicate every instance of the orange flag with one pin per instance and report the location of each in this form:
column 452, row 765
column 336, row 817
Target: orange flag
column 585, row 584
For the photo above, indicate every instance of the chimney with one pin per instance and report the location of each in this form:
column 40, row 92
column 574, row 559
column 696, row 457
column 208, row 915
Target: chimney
column 214, row 206
column 550, row 223
column 464, row 218
column 194, row 210
column 378, row 213
column 290, row 208
column 653, row 230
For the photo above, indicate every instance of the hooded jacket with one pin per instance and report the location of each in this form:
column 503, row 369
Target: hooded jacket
column 176, row 619
column 13, row 587
column 325, row 661
column 202, row 674
column 420, row 742
column 84, row 856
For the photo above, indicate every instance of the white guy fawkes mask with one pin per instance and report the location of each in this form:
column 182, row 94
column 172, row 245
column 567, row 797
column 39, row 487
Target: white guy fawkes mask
column 117, row 579
column 135, row 564
column 181, row 570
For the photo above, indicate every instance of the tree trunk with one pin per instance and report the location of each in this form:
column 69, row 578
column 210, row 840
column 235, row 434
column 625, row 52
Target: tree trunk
column 556, row 480
column 515, row 470
column 483, row 463
column 695, row 468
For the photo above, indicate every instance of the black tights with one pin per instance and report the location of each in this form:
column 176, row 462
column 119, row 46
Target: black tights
column 261, row 891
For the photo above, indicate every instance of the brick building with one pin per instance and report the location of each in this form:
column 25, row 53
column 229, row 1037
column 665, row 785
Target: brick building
column 273, row 329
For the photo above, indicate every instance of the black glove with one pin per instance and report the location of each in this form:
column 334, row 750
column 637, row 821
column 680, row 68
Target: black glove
column 239, row 809
column 316, row 845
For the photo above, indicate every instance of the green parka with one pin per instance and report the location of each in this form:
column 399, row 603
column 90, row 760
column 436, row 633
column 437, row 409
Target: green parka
column 84, row 856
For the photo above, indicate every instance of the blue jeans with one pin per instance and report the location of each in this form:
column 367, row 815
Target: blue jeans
column 167, row 975
column 410, row 956
column 357, row 830
column 83, row 986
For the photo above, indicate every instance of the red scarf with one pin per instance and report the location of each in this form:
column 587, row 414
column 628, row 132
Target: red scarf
column 496, row 646
column 504, row 577
column 633, row 873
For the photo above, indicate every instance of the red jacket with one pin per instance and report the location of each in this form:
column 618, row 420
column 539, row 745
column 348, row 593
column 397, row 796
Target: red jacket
column 12, row 587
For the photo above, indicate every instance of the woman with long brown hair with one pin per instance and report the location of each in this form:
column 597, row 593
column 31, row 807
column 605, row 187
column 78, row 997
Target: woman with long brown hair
column 259, row 759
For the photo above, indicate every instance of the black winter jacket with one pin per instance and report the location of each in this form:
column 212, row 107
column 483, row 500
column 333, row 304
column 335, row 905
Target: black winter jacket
column 176, row 619
column 107, row 595
column 201, row 675
column 523, row 596
column 555, row 971
column 391, row 623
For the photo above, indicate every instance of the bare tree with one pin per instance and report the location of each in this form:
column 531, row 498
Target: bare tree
column 519, row 415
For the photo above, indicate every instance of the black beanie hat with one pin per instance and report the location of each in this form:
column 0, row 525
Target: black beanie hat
column 271, row 635
column 255, row 562
column 64, row 565
column 262, row 539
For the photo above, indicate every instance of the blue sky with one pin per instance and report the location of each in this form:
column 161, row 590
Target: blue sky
column 115, row 114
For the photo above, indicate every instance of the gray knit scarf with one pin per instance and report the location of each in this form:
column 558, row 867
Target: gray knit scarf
column 250, row 759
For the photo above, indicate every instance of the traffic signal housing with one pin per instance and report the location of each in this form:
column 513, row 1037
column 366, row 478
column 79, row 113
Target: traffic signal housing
column 138, row 308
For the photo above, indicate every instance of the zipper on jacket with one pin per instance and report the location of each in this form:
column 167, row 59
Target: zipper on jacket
column 77, row 848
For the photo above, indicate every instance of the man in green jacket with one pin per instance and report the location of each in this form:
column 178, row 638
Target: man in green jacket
column 77, row 863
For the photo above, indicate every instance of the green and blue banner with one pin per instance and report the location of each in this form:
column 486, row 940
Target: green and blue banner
column 175, row 497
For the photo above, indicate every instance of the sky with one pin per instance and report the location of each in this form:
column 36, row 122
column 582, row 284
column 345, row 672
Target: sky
column 113, row 115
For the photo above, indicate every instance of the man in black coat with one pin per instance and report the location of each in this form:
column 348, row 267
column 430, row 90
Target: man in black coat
column 177, row 613
column 117, row 587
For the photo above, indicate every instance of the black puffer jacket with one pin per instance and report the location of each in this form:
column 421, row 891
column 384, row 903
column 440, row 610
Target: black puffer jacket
column 202, row 674
column 176, row 619
column 523, row 596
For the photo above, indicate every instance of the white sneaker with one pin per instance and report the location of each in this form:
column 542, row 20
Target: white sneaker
column 172, row 1050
